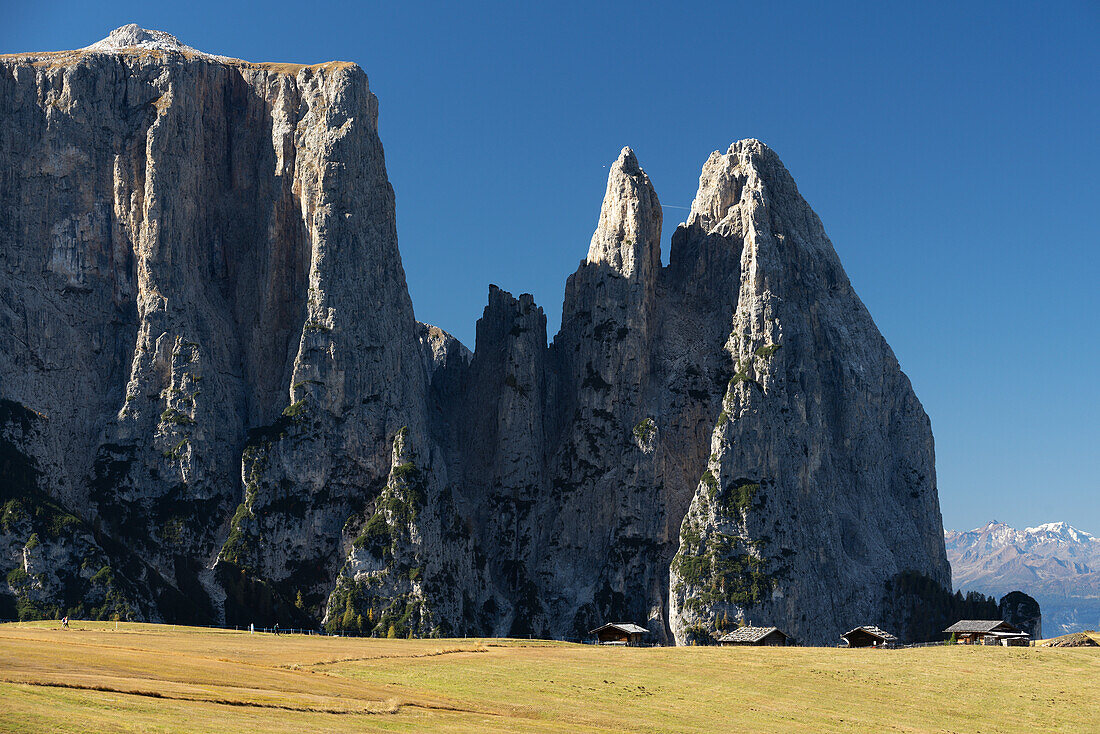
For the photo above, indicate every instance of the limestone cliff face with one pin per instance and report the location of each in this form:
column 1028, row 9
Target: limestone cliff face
column 200, row 262
column 820, row 486
column 216, row 404
column 575, row 463
column 497, row 455
column 601, row 464
column 53, row 561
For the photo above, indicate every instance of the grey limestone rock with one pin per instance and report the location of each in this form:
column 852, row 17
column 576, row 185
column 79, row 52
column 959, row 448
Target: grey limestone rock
column 1023, row 612
column 820, row 486
column 199, row 262
column 217, row 389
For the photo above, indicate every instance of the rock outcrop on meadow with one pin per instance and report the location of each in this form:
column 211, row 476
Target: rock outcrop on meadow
column 1023, row 612
column 218, row 405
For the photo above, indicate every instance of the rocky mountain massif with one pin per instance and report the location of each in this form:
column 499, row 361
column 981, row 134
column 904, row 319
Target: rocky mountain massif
column 219, row 407
column 1056, row 563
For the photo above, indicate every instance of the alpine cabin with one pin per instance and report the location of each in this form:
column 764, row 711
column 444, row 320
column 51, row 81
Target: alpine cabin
column 765, row 636
column 619, row 633
column 987, row 632
column 869, row 636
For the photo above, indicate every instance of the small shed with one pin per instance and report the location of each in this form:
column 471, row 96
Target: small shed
column 619, row 633
column 987, row 632
column 869, row 636
column 768, row 636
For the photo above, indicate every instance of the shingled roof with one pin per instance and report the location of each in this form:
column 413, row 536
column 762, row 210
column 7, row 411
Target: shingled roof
column 983, row 626
column 626, row 627
column 874, row 632
column 750, row 634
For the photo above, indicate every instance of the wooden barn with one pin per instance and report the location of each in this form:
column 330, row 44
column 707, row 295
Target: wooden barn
column 619, row 633
column 987, row 632
column 869, row 636
column 767, row 636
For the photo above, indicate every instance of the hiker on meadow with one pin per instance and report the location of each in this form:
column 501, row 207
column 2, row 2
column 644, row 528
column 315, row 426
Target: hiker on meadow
column 65, row 622
column 276, row 628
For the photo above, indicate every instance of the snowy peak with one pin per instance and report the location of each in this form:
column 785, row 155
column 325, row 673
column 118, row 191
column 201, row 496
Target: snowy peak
column 1054, row 562
column 1061, row 531
column 997, row 534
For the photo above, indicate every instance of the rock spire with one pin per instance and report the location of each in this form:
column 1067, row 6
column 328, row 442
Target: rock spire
column 628, row 236
column 216, row 404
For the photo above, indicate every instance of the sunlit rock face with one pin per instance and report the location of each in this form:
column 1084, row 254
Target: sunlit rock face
column 201, row 285
column 215, row 387
column 820, row 486
column 724, row 439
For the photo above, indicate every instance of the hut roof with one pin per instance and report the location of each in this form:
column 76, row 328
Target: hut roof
column 750, row 634
column 626, row 627
column 970, row 626
column 873, row 631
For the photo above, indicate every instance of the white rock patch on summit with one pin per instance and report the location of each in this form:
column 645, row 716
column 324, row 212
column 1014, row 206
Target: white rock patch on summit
column 133, row 36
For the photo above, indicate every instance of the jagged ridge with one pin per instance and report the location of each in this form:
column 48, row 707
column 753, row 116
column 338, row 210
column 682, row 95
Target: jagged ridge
column 256, row 414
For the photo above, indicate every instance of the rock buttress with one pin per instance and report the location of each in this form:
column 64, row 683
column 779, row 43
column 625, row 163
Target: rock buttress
column 820, row 486
column 201, row 284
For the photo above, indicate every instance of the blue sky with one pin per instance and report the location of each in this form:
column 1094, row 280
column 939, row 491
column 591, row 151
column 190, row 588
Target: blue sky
column 951, row 152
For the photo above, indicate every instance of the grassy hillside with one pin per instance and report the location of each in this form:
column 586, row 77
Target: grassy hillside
column 1091, row 634
column 180, row 679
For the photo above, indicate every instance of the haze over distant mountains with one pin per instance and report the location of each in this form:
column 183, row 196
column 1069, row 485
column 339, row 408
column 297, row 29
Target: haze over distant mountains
column 1055, row 562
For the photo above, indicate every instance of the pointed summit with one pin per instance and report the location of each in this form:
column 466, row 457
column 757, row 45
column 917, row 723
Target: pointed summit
column 802, row 344
column 748, row 165
column 628, row 236
column 628, row 161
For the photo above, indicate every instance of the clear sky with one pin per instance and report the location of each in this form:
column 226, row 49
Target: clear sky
column 951, row 149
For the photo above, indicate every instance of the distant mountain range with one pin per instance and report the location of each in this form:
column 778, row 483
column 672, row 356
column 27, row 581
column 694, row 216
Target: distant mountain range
column 1056, row 563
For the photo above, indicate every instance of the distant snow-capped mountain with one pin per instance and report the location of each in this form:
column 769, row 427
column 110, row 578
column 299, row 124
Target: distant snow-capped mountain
column 1055, row 562
column 1059, row 532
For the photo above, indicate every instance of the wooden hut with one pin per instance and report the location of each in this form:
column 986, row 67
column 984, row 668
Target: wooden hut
column 619, row 633
column 767, row 636
column 869, row 636
column 987, row 632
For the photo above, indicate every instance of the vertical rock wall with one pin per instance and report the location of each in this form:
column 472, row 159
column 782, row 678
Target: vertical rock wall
column 216, row 404
column 200, row 265
column 820, row 485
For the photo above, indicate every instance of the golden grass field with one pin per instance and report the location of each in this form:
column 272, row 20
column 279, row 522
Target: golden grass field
column 157, row 678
